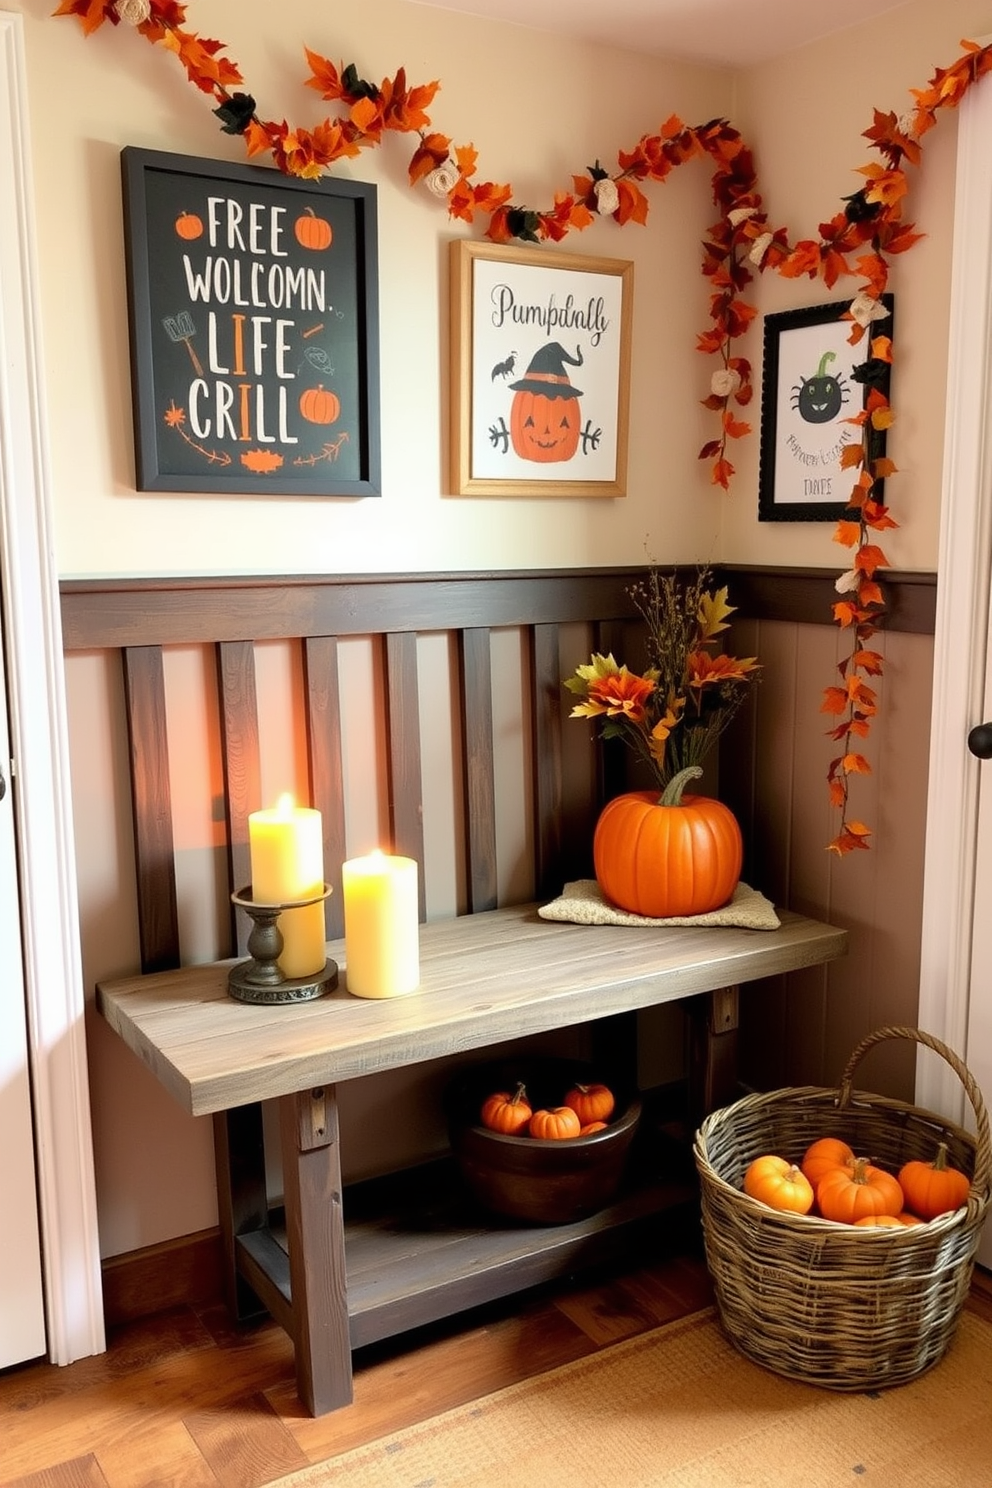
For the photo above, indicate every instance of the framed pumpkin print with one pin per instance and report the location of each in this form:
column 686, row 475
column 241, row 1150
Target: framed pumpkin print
column 813, row 383
column 540, row 372
column 253, row 319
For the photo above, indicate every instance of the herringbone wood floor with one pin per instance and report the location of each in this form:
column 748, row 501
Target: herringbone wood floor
column 183, row 1401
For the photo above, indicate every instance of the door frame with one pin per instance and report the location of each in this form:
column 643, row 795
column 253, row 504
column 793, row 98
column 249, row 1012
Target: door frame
column 963, row 600
column 39, row 746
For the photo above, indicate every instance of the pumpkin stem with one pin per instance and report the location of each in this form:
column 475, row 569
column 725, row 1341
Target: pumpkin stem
column 828, row 356
column 672, row 794
column 519, row 1094
column 939, row 1163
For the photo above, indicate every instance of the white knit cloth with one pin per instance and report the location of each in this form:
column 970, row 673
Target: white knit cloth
column 582, row 903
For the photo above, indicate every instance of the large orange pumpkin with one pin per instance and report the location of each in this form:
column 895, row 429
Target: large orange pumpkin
column 677, row 855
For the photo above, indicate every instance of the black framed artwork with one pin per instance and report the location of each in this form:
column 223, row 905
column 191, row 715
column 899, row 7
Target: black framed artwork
column 810, row 389
column 254, row 329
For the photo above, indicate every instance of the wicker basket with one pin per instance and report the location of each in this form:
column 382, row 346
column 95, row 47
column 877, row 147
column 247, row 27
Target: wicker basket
column 836, row 1305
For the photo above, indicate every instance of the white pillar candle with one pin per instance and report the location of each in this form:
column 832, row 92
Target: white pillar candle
column 381, row 925
column 287, row 863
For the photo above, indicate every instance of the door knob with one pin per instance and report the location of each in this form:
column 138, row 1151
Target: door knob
column 980, row 740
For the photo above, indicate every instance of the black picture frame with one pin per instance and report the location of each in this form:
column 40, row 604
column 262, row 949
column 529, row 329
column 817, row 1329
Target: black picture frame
column 808, row 393
column 254, row 328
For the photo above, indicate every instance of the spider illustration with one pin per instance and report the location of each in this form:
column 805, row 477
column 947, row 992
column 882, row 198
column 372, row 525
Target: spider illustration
column 820, row 398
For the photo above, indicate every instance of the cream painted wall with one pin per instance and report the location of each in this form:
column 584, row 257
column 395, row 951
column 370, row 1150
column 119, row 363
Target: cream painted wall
column 536, row 108
column 805, row 115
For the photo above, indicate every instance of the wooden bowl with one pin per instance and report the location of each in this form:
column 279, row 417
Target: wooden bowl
column 531, row 1179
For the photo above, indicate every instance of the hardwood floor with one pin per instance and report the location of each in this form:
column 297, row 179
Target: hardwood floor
column 182, row 1400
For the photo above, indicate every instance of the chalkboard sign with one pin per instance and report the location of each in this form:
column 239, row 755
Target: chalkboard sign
column 253, row 313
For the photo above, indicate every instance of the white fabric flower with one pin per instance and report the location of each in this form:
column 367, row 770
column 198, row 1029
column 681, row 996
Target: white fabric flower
column 865, row 308
column 760, row 247
column 443, row 178
column 847, row 582
column 725, row 382
column 741, row 214
column 607, row 196
column 133, row 12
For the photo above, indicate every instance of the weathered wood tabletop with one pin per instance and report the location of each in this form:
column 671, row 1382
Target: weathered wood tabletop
column 485, row 978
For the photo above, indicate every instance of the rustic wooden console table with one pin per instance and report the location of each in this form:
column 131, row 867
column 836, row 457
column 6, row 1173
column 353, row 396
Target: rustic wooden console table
column 486, row 978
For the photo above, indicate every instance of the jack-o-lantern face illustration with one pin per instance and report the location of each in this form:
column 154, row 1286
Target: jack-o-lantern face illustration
column 544, row 417
column 544, row 426
column 819, row 398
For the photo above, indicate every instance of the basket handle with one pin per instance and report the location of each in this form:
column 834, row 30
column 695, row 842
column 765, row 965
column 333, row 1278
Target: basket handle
column 978, row 1193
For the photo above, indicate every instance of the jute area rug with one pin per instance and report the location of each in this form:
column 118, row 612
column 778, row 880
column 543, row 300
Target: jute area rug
column 679, row 1406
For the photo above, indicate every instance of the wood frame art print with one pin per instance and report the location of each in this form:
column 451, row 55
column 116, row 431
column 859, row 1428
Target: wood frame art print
column 540, row 372
column 253, row 320
column 809, row 392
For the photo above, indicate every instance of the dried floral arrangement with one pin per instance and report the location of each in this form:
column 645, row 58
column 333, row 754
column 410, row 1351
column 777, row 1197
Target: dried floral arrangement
column 858, row 241
column 672, row 713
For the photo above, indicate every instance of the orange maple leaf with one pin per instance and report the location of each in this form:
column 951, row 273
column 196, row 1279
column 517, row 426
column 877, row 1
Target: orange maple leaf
column 870, row 557
column 325, row 77
column 429, row 154
column 887, row 186
column 834, row 700
column 262, row 462
column 855, row 764
column 804, row 259
column 91, row 13
column 466, row 157
column 848, row 534
column 633, row 203
column 868, row 661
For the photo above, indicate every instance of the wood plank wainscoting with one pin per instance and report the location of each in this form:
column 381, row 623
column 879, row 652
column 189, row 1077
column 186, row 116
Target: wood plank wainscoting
column 218, row 666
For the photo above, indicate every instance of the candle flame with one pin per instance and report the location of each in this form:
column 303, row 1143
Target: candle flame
column 284, row 805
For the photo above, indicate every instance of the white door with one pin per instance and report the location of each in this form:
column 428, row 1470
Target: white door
column 956, row 951
column 22, row 1309
column 40, row 945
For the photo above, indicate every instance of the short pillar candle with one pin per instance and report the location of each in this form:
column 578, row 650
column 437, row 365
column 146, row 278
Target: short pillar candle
column 287, row 863
column 381, row 925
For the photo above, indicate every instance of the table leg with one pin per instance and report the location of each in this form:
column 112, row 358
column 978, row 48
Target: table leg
column 239, row 1151
column 713, row 1023
column 311, row 1161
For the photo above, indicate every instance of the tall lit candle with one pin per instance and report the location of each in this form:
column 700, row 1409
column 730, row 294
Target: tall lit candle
column 287, row 863
column 381, row 925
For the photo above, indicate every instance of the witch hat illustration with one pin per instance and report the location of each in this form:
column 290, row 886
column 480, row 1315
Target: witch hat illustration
column 546, row 372
column 544, row 417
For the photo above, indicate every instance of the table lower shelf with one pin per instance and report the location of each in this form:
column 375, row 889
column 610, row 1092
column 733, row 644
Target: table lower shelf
column 419, row 1250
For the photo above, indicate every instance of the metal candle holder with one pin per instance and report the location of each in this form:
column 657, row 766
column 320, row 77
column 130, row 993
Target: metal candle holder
column 260, row 979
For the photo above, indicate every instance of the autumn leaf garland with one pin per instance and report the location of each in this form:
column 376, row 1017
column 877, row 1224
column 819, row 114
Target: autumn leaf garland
column 857, row 241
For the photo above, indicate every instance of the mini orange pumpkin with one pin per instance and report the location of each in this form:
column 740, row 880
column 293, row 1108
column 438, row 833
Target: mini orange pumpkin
column 312, row 231
column 593, row 1126
column 557, row 1124
column 680, row 855
column 591, row 1102
column 933, row 1188
column 320, row 406
column 824, row 1154
column 509, row 1114
column 189, row 226
column 848, row 1194
column 779, row 1184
